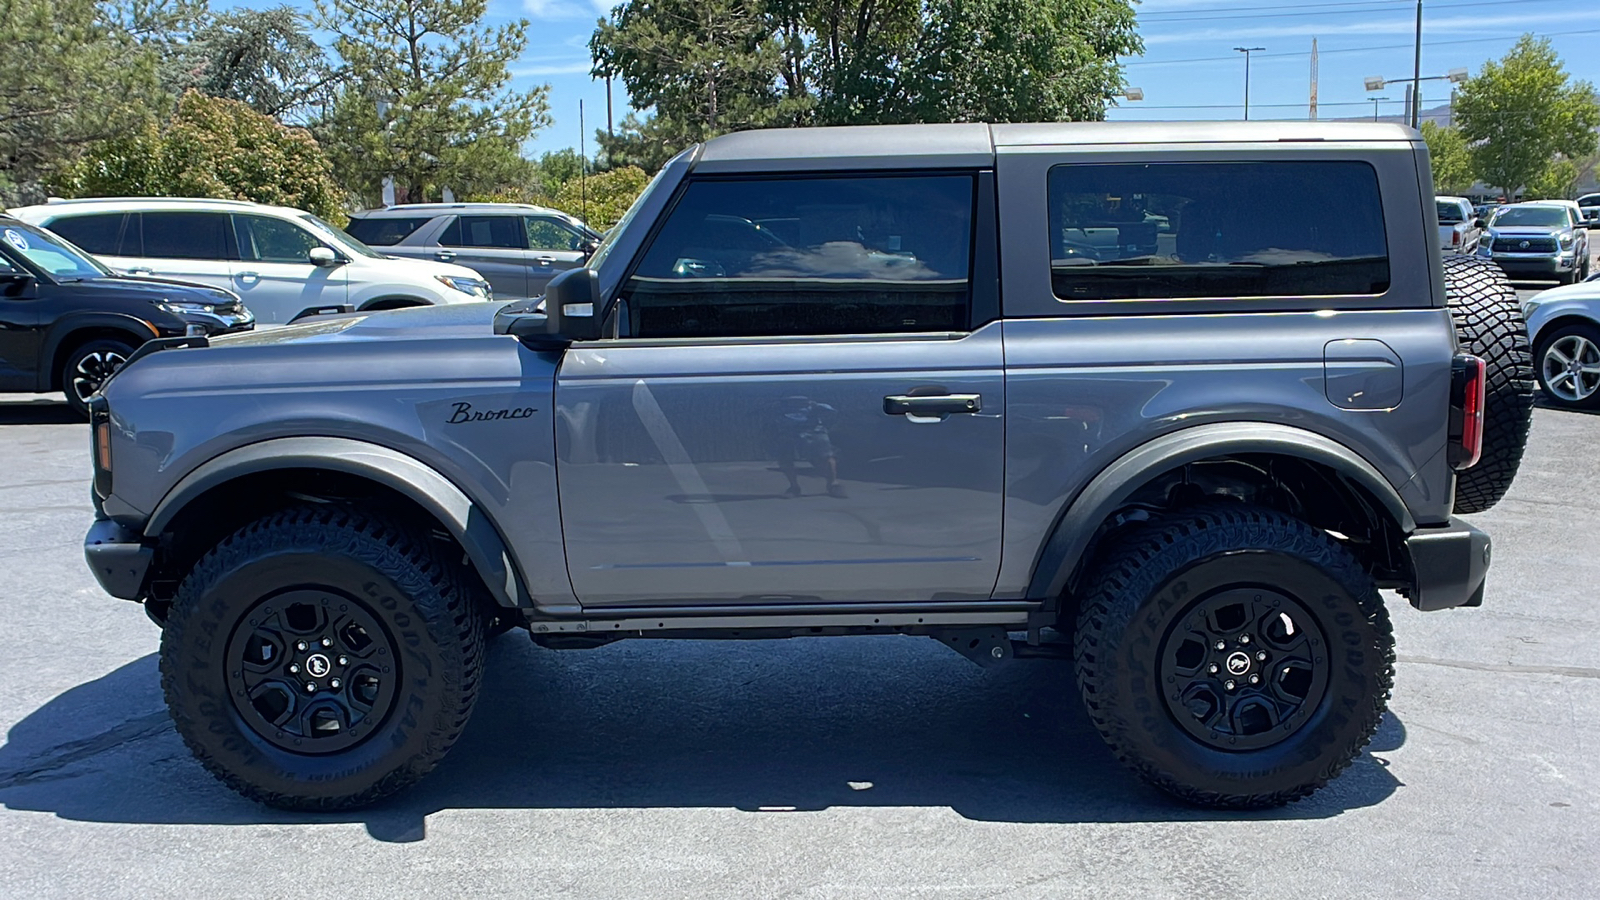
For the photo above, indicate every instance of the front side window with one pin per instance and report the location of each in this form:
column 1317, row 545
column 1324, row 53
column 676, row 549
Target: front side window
column 186, row 235
column 809, row 256
column 1162, row 231
column 265, row 239
column 485, row 232
column 548, row 234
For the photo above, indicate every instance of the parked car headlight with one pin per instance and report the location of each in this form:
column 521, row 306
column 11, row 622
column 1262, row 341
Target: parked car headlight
column 1566, row 240
column 477, row 287
column 1484, row 248
column 1529, row 307
column 179, row 307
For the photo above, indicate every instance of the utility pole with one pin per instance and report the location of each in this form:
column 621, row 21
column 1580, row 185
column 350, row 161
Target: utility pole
column 1375, row 106
column 1247, row 51
column 609, row 133
column 1313, row 79
column 1416, row 72
column 583, row 165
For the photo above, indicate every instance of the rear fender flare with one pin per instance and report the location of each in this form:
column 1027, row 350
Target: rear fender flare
column 1111, row 488
column 484, row 546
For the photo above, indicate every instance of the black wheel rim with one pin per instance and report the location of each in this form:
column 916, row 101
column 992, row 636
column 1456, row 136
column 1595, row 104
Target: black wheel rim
column 92, row 371
column 1244, row 668
column 312, row 672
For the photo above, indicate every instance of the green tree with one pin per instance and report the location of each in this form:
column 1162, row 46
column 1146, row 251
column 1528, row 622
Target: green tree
column 263, row 57
column 1451, row 159
column 1522, row 112
column 725, row 65
column 600, row 200
column 425, row 97
column 212, row 147
column 68, row 78
column 1558, row 181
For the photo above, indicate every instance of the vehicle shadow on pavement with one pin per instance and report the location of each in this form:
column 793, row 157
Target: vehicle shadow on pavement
column 772, row 728
column 38, row 412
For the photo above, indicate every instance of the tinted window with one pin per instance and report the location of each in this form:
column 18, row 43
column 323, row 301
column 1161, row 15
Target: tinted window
column 265, row 239
column 382, row 232
column 495, row 232
column 548, row 234
column 1161, row 231
column 95, row 234
column 866, row 255
column 185, row 235
column 1450, row 212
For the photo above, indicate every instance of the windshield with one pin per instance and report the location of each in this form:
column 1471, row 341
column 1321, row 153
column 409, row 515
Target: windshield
column 340, row 237
column 1449, row 213
column 59, row 259
column 1536, row 216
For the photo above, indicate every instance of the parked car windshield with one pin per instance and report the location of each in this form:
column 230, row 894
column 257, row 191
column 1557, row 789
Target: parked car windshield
column 1449, row 213
column 340, row 237
column 60, row 259
column 1538, row 216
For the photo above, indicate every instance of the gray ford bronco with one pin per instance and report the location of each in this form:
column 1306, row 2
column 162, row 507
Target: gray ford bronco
column 1173, row 401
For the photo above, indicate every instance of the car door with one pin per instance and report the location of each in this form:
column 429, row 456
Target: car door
column 553, row 248
column 495, row 244
column 19, row 325
column 805, row 422
column 188, row 245
column 275, row 276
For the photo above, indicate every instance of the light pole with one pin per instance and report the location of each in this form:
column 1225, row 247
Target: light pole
column 1454, row 76
column 1416, row 71
column 1375, row 106
column 1247, row 51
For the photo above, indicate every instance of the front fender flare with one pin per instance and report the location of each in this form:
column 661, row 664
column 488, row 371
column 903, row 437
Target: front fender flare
column 64, row 328
column 484, row 545
column 1107, row 491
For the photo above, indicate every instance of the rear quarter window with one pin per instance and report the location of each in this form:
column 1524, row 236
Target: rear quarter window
column 1216, row 230
column 385, row 231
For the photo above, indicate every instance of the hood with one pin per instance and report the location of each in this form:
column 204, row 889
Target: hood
column 1512, row 231
column 155, row 290
column 456, row 320
column 425, row 269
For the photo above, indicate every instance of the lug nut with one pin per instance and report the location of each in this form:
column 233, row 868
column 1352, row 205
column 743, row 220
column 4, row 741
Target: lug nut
column 345, row 660
column 1262, row 656
column 294, row 669
column 1215, row 668
column 1229, row 684
column 1254, row 679
column 334, row 683
column 1244, row 638
column 311, row 687
column 328, row 643
column 301, row 646
column 1221, row 645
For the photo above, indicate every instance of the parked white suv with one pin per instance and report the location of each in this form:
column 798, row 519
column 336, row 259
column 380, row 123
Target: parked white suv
column 280, row 261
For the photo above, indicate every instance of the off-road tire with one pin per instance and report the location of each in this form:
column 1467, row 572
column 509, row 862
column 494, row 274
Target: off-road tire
column 102, row 348
column 1147, row 587
column 395, row 577
column 1489, row 325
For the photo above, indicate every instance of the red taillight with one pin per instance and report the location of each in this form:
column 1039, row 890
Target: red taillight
column 1455, row 238
column 1467, row 393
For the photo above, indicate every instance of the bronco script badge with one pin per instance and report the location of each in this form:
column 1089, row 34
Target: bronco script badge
column 465, row 413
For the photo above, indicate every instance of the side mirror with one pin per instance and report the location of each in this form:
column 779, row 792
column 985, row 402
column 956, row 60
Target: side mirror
column 1479, row 223
column 570, row 312
column 15, row 283
column 322, row 257
column 588, row 247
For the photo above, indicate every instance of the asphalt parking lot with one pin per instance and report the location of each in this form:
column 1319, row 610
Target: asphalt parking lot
column 816, row 768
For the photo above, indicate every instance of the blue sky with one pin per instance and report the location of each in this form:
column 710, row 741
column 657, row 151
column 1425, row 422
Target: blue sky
column 1189, row 69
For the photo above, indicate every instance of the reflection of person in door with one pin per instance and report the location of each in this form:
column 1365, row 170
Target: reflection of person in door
column 800, row 434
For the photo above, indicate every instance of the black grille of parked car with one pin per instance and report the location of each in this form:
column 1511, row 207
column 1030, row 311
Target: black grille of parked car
column 1525, row 245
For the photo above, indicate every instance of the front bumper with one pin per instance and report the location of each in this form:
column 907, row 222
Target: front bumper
column 1543, row 264
column 118, row 558
column 1449, row 563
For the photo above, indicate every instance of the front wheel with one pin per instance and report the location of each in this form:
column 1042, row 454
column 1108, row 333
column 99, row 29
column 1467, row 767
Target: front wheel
column 321, row 659
column 1233, row 656
column 1568, row 365
column 87, row 368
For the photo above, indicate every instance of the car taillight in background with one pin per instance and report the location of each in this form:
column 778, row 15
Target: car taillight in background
column 1467, row 388
column 1455, row 238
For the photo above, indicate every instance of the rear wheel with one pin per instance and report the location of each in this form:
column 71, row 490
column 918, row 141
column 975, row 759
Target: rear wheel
column 321, row 658
column 1233, row 656
column 88, row 367
column 1569, row 365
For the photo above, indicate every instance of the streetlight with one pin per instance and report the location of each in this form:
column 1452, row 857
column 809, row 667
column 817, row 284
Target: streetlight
column 1413, row 92
column 1132, row 94
column 1375, row 106
column 1247, row 51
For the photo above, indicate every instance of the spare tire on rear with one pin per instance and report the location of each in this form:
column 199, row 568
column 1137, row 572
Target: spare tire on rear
column 1489, row 325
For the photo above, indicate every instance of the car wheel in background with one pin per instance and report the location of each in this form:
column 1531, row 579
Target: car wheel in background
column 1489, row 325
column 88, row 367
column 1568, row 365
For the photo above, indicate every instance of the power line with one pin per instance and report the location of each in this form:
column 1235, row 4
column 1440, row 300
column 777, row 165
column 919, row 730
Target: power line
column 1198, row 59
column 1265, row 13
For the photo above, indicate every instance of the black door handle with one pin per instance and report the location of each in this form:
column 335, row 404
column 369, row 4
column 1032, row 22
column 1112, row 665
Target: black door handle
column 935, row 405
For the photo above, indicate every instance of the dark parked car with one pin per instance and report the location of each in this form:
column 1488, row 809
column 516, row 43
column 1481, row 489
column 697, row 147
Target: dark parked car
column 67, row 322
column 517, row 247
